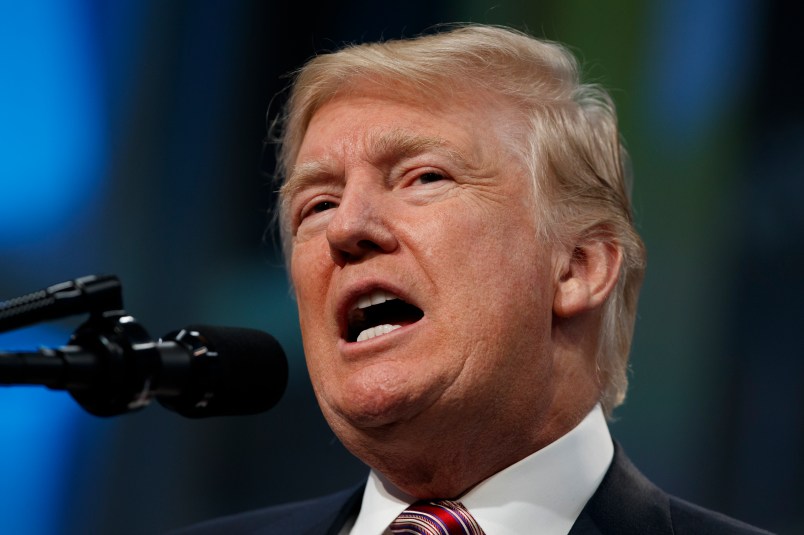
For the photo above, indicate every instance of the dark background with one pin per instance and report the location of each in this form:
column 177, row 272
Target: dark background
column 130, row 143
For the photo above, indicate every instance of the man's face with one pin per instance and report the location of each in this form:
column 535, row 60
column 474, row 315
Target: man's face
column 425, row 214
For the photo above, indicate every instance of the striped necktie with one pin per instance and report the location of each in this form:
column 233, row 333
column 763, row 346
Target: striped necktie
column 442, row 517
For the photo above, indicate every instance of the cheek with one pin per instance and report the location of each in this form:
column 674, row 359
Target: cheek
column 308, row 270
column 495, row 269
column 484, row 249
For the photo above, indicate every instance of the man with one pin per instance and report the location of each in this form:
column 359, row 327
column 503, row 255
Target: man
column 458, row 229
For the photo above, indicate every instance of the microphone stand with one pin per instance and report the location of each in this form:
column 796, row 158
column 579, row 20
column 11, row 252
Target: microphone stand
column 108, row 363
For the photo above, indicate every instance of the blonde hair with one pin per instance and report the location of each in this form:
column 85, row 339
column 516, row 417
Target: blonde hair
column 570, row 144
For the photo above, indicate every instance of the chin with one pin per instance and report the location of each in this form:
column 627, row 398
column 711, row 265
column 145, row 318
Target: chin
column 374, row 410
column 375, row 405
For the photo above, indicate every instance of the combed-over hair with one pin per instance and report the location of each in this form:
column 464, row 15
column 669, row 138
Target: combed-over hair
column 569, row 143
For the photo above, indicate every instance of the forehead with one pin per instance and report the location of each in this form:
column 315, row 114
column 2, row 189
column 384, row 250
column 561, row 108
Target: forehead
column 374, row 120
column 382, row 131
column 378, row 145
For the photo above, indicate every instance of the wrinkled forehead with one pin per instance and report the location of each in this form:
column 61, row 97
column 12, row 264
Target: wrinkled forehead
column 435, row 95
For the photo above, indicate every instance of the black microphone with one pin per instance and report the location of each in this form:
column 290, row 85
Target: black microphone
column 111, row 367
column 227, row 371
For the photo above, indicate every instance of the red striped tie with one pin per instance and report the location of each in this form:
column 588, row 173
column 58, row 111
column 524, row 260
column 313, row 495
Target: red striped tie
column 442, row 517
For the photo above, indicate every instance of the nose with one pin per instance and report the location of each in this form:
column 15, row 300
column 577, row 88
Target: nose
column 359, row 227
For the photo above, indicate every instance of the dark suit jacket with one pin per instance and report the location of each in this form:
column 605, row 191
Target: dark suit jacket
column 626, row 503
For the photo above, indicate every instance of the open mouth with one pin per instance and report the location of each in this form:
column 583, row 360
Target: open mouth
column 378, row 313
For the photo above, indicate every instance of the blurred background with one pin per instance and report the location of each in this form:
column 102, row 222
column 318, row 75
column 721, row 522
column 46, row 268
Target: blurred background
column 130, row 144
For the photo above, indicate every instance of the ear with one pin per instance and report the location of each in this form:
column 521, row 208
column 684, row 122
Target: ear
column 586, row 276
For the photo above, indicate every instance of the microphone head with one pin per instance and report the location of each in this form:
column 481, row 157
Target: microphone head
column 233, row 371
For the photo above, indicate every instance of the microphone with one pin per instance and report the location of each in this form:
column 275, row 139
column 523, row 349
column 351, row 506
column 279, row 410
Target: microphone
column 227, row 371
column 112, row 367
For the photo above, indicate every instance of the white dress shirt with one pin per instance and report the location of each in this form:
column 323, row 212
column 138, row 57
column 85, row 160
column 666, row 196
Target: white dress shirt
column 544, row 492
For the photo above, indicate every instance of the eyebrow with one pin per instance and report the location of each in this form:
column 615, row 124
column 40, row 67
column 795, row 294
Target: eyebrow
column 399, row 144
column 383, row 148
column 303, row 176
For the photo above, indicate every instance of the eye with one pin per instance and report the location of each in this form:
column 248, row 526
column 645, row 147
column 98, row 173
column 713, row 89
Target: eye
column 430, row 177
column 322, row 206
column 315, row 207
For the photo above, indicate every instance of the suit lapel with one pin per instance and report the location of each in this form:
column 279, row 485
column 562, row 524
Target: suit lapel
column 584, row 525
column 625, row 503
column 349, row 509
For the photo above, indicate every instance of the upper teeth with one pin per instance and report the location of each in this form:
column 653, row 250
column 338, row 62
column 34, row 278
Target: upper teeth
column 374, row 298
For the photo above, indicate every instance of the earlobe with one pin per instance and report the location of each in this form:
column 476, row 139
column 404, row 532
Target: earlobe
column 586, row 277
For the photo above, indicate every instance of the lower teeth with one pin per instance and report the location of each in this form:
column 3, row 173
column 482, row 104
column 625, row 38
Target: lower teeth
column 373, row 332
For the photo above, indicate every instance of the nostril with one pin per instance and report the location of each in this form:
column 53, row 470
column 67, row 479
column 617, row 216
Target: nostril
column 340, row 257
column 368, row 245
column 352, row 253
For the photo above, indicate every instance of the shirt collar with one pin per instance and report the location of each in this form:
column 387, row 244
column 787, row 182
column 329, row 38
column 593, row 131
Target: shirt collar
column 549, row 488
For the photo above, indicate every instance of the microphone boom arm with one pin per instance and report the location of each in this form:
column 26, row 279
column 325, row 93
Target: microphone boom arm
column 93, row 294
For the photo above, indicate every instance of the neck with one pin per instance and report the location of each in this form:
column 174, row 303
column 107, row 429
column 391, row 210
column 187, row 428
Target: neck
column 448, row 465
